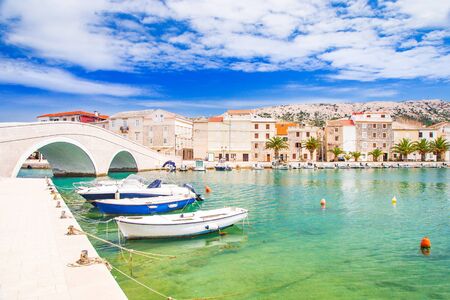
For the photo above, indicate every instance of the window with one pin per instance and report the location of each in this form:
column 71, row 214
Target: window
column 364, row 135
column 245, row 157
column 284, row 138
column 374, row 135
column 383, row 116
column 267, row 126
column 374, row 145
column 420, row 134
column 64, row 119
column 73, row 119
column 374, row 125
column 256, row 135
column 297, row 134
column 305, row 156
column 431, row 134
column 384, row 126
column 364, row 126
column 298, row 145
column 307, row 134
column 368, row 116
column 165, row 128
column 256, row 146
column 268, row 136
column 113, row 123
column 384, row 134
column 150, row 141
column 336, row 129
column 384, row 145
column 256, row 155
column 364, row 145
column 294, row 156
column 165, row 141
column 137, row 122
column 125, row 123
column 233, row 156
column 256, row 126
column 336, row 138
column 137, row 135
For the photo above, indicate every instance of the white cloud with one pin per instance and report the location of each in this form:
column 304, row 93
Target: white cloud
column 24, row 73
column 348, row 37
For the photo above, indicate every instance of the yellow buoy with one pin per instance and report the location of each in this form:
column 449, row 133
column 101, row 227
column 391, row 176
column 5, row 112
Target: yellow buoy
column 394, row 200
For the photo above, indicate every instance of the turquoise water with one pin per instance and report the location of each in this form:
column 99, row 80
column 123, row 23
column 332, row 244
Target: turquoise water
column 360, row 246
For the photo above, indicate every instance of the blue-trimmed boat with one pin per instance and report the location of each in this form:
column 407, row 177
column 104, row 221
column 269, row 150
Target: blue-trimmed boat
column 143, row 206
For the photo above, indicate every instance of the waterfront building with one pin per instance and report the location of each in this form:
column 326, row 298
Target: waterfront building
column 340, row 133
column 73, row 116
column 373, row 131
column 159, row 130
column 282, row 128
column 442, row 129
column 297, row 136
column 237, row 135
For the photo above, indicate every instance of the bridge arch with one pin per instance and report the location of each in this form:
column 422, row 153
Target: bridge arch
column 66, row 156
column 123, row 161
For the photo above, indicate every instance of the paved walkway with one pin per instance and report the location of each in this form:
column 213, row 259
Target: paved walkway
column 34, row 250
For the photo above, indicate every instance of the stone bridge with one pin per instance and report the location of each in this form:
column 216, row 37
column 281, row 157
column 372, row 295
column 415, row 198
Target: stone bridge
column 73, row 149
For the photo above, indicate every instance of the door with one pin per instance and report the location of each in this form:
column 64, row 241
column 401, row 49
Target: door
column 268, row 157
column 385, row 156
column 227, row 157
column 245, row 157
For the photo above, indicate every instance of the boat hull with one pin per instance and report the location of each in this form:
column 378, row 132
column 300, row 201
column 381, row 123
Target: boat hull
column 139, row 231
column 141, row 209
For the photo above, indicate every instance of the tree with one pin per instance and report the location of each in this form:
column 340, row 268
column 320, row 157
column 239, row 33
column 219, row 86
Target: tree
column 276, row 144
column 423, row 147
column 347, row 156
column 404, row 147
column 336, row 152
column 356, row 155
column 375, row 154
column 312, row 144
column 439, row 146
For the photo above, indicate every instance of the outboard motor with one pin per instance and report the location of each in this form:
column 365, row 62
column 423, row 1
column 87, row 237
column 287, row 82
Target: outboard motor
column 191, row 188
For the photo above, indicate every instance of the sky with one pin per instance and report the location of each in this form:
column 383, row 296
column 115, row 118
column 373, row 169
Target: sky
column 202, row 57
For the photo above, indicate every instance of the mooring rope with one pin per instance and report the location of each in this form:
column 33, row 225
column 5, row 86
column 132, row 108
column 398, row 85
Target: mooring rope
column 138, row 252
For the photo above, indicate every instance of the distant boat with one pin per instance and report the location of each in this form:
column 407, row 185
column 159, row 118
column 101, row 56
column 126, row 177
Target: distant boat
column 180, row 225
column 183, row 168
column 199, row 166
column 257, row 166
column 143, row 206
column 222, row 166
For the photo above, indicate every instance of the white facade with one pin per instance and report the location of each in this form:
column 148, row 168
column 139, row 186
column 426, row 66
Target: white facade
column 349, row 138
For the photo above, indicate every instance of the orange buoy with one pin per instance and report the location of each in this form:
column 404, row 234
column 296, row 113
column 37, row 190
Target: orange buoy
column 425, row 246
column 208, row 189
column 323, row 203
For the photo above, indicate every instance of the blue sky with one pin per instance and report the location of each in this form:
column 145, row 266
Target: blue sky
column 203, row 57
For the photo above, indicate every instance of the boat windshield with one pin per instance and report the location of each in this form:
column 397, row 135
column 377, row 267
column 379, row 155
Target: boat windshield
column 135, row 179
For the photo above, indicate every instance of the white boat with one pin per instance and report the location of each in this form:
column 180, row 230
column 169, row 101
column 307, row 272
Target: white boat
column 199, row 166
column 280, row 167
column 180, row 225
column 132, row 187
column 257, row 166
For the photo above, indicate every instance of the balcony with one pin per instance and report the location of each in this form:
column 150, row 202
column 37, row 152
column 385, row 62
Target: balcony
column 124, row 129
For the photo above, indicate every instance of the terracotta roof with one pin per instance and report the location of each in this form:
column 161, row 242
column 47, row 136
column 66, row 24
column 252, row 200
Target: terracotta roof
column 72, row 113
column 239, row 111
column 437, row 125
column 341, row 122
column 215, row 119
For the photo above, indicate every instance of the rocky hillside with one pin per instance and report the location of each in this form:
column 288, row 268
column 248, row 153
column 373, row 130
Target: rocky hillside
column 425, row 111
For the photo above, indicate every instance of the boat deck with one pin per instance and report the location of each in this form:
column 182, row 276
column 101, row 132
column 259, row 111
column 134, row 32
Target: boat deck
column 35, row 251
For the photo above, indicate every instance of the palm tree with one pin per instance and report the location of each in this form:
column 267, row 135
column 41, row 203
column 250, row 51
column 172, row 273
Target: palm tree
column 276, row 143
column 336, row 152
column 347, row 156
column 439, row 146
column 423, row 147
column 312, row 144
column 375, row 154
column 356, row 155
column 404, row 147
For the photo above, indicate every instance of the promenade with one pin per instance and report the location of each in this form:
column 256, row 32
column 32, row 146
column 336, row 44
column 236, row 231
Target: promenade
column 35, row 250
